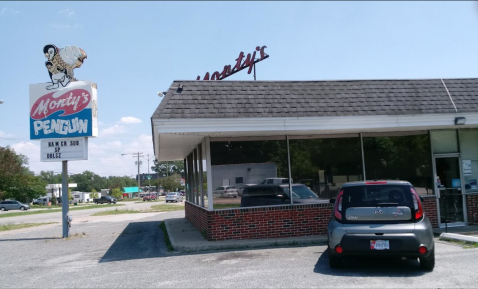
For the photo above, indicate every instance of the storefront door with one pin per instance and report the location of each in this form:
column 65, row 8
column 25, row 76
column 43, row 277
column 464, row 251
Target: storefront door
column 449, row 191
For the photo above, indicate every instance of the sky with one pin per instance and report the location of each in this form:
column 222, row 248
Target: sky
column 137, row 49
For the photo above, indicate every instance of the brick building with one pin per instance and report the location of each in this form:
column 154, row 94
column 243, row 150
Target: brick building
column 322, row 134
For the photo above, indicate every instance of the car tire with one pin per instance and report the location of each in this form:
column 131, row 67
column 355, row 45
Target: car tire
column 428, row 263
column 22, row 208
column 96, row 202
column 235, row 196
column 109, row 203
column 334, row 261
column 2, row 209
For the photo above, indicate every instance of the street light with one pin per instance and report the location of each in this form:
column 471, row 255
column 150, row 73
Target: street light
column 1, row 101
column 138, row 154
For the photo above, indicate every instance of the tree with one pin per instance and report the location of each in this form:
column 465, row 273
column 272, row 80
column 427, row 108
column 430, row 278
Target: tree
column 170, row 183
column 116, row 193
column 168, row 168
column 16, row 180
column 94, row 194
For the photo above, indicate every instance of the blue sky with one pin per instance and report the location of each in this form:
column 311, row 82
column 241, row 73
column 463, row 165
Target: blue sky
column 136, row 49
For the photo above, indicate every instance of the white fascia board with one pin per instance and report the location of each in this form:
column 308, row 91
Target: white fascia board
column 325, row 124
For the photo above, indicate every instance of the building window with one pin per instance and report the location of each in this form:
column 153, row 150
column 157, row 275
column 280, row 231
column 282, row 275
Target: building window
column 239, row 180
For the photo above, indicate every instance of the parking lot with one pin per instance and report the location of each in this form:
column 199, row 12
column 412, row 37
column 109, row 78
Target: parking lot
column 128, row 251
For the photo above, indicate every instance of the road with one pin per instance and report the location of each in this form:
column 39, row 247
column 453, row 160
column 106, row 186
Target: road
column 78, row 216
column 128, row 251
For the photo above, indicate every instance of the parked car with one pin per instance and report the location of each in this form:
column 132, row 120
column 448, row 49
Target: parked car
column 225, row 192
column 41, row 201
column 13, row 205
column 268, row 195
column 105, row 199
column 241, row 189
column 275, row 181
column 183, row 193
column 380, row 218
column 149, row 197
column 174, row 197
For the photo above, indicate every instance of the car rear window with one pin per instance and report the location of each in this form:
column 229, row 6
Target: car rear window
column 372, row 202
column 300, row 192
column 262, row 191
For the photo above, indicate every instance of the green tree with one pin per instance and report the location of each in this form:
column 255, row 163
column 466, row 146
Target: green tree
column 116, row 193
column 16, row 180
column 168, row 168
column 171, row 183
column 50, row 177
column 94, row 194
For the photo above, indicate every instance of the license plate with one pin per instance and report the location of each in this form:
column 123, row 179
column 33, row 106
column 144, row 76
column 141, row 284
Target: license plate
column 379, row 245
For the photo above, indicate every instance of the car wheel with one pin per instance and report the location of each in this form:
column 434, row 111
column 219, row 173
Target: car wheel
column 428, row 263
column 235, row 196
column 96, row 202
column 22, row 208
column 334, row 261
column 109, row 203
column 2, row 209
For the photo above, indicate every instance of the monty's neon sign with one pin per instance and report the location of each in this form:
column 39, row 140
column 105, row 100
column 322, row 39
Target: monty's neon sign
column 241, row 63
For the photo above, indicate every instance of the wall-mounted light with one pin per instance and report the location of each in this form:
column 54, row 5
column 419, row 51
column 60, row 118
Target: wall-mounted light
column 460, row 120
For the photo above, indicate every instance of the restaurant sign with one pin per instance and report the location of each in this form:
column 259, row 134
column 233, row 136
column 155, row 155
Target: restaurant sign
column 241, row 64
column 69, row 111
column 64, row 149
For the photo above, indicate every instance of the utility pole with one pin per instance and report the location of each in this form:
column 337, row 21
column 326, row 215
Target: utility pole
column 137, row 155
column 149, row 177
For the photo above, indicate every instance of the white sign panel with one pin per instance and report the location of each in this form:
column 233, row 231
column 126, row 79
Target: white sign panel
column 64, row 149
column 466, row 164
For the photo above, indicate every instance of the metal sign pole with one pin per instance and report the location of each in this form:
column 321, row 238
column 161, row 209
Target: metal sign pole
column 64, row 199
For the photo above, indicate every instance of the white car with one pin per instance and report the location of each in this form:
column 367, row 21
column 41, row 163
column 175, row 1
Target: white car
column 225, row 192
column 241, row 188
column 174, row 197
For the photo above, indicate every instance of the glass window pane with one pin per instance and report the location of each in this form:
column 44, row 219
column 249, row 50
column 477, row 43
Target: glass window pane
column 405, row 158
column 235, row 163
column 325, row 164
column 444, row 141
column 469, row 156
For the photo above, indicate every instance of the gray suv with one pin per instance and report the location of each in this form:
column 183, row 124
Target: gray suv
column 380, row 218
column 13, row 205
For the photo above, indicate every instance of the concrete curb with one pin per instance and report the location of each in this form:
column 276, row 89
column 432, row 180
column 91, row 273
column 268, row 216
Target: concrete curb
column 247, row 244
column 458, row 237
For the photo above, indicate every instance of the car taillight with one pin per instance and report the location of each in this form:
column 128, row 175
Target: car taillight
column 417, row 205
column 339, row 249
column 338, row 206
column 422, row 250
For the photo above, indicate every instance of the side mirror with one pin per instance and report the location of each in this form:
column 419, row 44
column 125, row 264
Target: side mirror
column 332, row 201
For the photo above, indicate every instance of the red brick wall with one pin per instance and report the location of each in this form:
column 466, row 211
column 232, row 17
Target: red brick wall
column 261, row 223
column 430, row 208
column 472, row 209
column 272, row 222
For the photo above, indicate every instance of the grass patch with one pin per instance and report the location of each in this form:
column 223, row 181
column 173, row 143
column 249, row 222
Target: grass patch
column 52, row 210
column 21, row 226
column 466, row 245
column 165, row 208
column 162, row 226
column 116, row 212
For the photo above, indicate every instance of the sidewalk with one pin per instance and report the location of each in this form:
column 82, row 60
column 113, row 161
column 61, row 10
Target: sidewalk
column 185, row 237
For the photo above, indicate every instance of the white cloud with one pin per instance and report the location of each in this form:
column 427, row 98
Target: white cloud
column 67, row 12
column 3, row 134
column 6, row 10
column 114, row 130
column 130, row 119
column 65, row 26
